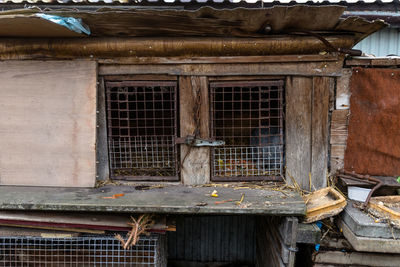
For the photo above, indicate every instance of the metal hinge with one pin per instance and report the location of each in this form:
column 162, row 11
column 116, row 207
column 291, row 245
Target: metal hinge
column 190, row 140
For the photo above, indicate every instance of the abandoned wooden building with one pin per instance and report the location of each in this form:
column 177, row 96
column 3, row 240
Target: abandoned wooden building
column 201, row 115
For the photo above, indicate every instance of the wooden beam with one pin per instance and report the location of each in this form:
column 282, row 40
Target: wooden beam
column 292, row 68
column 320, row 131
column 195, row 161
column 112, row 47
column 223, row 59
column 298, row 129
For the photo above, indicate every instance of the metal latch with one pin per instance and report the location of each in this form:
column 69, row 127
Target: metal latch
column 190, row 140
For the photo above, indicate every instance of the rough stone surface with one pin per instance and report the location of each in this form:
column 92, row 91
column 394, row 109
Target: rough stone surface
column 361, row 224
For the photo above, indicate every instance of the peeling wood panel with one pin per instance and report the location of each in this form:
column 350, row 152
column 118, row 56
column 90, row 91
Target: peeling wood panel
column 320, row 130
column 195, row 167
column 48, row 123
column 297, row 69
column 298, row 129
column 343, row 90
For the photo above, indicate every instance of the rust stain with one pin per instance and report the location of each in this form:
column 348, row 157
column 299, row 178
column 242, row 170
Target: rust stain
column 373, row 145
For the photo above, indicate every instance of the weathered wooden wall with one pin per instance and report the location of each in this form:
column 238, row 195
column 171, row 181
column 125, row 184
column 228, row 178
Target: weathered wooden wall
column 309, row 87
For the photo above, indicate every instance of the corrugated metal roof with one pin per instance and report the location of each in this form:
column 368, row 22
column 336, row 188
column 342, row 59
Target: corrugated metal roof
column 138, row 2
column 382, row 43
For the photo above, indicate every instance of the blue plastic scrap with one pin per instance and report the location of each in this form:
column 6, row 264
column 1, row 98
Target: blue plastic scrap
column 74, row 24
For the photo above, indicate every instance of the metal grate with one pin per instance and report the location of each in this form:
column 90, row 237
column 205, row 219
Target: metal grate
column 81, row 251
column 142, row 129
column 248, row 116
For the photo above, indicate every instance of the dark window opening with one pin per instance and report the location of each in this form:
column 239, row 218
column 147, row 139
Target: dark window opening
column 142, row 117
column 248, row 116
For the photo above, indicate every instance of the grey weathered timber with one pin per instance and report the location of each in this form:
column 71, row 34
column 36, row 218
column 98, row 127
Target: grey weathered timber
column 308, row 233
column 195, row 161
column 339, row 258
column 320, row 131
column 370, row 244
column 169, row 199
column 222, row 59
column 276, row 239
column 298, row 129
column 48, row 123
column 361, row 224
column 102, row 163
column 290, row 68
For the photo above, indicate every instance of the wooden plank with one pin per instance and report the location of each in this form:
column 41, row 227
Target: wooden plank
column 308, row 233
column 373, row 62
column 245, row 78
column 202, row 60
column 337, row 151
column 343, row 90
column 195, row 161
column 298, row 129
column 291, row 68
column 102, row 159
column 320, row 131
column 177, row 199
column 48, row 126
column 139, row 77
column 339, row 127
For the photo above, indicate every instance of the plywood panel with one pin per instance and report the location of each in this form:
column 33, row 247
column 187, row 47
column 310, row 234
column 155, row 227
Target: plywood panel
column 298, row 129
column 320, row 133
column 195, row 166
column 48, row 123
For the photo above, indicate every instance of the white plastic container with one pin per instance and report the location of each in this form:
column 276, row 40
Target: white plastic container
column 358, row 193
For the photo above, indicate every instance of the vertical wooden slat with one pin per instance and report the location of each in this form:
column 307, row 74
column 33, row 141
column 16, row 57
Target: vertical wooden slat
column 320, row 131
column 103, row 172
column 196, row 166
column 298, row 129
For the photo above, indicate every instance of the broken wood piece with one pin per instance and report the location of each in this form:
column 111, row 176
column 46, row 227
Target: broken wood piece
column 386, row 207
column 139, row 226
column 223, row 201
column 115, row 196
column 323, row 203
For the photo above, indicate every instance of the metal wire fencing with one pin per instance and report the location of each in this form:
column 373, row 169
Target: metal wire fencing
column 81, row 251
column 249, row 117
column 142, row 127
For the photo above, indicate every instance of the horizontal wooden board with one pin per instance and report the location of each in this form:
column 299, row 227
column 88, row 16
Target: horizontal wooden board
column 48, row 125
column 339, row 124
column 292, row 68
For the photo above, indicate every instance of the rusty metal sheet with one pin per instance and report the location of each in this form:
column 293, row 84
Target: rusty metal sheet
column 373, row 144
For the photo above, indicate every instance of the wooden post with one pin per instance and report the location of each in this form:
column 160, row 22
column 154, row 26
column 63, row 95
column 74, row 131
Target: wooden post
column 195, row 161
column 319, row 131
column 298, row 129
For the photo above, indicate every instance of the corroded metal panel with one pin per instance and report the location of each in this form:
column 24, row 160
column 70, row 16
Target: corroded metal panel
column 373, row 145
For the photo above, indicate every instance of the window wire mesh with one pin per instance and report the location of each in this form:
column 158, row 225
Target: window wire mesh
column 248, row 116
column 81, row 251
column 142, row 129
